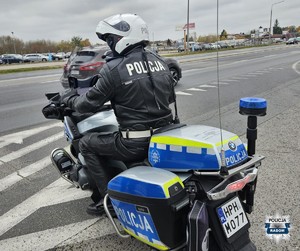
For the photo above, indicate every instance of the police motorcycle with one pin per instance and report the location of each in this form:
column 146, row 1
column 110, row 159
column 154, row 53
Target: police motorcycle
column 192, row 193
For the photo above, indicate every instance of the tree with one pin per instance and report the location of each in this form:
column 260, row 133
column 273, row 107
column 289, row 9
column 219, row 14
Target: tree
column 292, row 29
column 85, row 42
column 75, row 41
column 169, row 42
column 276, row 28
column 223, row 35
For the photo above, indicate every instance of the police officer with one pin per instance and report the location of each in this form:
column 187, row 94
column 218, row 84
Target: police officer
column 139, row 86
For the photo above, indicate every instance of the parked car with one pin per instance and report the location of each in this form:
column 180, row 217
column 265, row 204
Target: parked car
column 206, row 46
column 59, row 56
column 223, row 44
column 36, row 57
column 83, row 66
column 180, row 48
column 215, row 46
column 11, row 58
column 174, row 68
column 193, row 47
column 292, row 40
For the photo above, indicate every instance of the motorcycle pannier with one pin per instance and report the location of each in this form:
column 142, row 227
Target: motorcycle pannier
column 151, row 205
column 195, row 147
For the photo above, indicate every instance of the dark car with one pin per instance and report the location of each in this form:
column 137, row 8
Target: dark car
column 83, row 67
column 11, row 58
column 292, row 40
column 174, row 68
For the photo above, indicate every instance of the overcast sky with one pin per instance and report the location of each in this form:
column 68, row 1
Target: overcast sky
column 58, row 20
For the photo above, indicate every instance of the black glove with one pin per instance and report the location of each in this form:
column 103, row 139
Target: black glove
column 52, row 112
column 66, row 96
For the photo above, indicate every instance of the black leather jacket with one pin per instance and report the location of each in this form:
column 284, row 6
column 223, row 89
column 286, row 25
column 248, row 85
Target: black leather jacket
column 139, row 86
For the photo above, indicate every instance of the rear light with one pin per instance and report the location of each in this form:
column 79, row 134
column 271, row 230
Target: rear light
column 233, row 187
column 91, row 67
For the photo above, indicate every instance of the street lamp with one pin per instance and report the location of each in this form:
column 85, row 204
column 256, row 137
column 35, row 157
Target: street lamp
column 188, row 24
column 270, row 33
column 14, row 42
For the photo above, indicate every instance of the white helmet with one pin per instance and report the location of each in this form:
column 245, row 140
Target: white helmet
column 123, row 31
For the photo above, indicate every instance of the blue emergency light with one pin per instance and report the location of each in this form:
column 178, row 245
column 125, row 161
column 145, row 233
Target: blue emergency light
column 253, row 106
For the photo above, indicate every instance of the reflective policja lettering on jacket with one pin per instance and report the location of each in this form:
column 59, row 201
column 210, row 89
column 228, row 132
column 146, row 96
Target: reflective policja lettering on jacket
column 141, row 67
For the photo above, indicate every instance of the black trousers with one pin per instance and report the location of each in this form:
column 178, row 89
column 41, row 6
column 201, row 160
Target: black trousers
column 97, row 149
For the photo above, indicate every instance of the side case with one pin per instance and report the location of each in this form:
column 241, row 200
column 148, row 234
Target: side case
column 198, row 227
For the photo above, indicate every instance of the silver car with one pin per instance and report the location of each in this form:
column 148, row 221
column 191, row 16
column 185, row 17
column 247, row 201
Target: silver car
column 35, row 58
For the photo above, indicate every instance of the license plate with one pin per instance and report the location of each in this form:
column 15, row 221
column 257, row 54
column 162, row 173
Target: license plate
column 232, row 217
column 74, row 72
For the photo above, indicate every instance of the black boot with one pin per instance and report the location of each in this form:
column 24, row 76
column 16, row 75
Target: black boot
column 97, row 209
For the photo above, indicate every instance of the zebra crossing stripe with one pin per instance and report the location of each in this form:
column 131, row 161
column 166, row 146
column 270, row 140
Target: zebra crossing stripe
column 15, row 177
column 18, row 137
column 28, row 149
column 50, row 238
column 48, row 196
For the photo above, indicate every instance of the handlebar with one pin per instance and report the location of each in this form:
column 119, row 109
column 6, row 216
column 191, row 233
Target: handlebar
column 56, row 110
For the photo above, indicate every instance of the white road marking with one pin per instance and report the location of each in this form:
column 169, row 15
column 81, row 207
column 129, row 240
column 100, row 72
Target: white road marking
column 28, row 149
column 263, row 71
column 183, row 93
column 240, row 78
column 48, row 196
column 15, row 177
column 295, row 67
column 251, row 74
column 18, row 137
column 49, row 238
column 259, row 73
column 196, row 89
column 207, row 86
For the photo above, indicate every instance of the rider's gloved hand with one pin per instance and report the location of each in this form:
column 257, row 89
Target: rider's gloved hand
column 53, row 112
column 65, row 97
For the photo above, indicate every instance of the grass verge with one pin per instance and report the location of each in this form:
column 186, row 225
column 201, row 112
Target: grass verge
column 6, row 71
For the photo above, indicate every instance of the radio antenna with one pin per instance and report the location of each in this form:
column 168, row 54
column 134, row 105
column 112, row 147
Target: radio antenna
column 223, row 170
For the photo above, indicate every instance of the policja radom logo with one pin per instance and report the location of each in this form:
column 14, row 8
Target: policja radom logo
column 278, row 227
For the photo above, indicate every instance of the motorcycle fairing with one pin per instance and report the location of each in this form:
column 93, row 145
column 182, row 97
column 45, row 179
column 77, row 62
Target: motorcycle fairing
column 104, row 121
column 195, row 147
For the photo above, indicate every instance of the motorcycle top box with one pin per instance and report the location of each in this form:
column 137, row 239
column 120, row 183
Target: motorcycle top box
column 195, row 147
column 151, row 205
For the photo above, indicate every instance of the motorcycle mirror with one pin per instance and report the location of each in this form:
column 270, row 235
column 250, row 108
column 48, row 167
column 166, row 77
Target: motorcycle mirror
column 54, row 96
